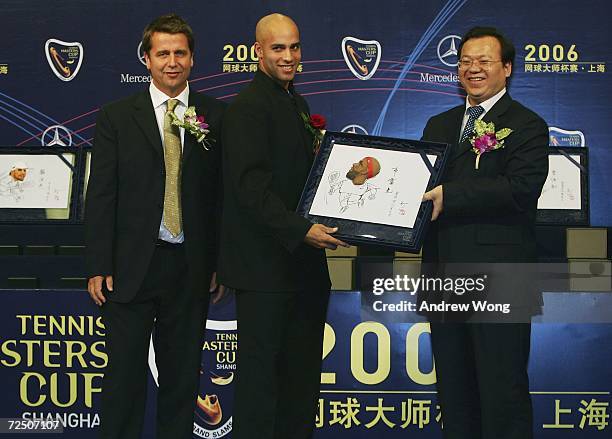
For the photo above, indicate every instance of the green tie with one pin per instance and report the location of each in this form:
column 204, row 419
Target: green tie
column 172, row 158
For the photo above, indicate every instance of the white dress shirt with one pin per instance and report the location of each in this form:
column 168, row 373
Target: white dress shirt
column 487, row 105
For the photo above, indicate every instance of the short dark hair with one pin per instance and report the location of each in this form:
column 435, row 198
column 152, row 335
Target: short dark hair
column 169, row 24
column 507, row 48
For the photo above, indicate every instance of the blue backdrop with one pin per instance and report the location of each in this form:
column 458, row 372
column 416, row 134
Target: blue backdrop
column 560, row 69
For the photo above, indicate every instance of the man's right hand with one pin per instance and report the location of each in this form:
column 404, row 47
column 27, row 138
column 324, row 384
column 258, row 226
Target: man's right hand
column 436, row 195
column 94, row 287
column 319, row 236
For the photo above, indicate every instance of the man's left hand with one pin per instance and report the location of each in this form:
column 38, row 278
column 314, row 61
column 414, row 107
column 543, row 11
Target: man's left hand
column 216, row 297
column 320, row 236
column 436, row 195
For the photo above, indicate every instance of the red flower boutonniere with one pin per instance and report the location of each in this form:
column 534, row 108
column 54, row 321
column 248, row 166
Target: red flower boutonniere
column 315, row 124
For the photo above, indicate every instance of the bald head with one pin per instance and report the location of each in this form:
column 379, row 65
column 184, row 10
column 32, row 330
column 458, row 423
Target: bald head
column 367, row 167
column 272, row 24
column 278, row 47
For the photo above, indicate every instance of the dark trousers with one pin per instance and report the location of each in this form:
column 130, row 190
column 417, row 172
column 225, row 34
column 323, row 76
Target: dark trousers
column 482, row 381
column 280, row 342
column 176, row 317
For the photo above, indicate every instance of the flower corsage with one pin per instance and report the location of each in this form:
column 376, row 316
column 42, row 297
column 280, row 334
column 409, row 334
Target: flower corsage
column 485, row 138
column 195, row 125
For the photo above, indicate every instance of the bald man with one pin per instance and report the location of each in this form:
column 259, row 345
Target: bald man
column 364, row 169
column 273, row 257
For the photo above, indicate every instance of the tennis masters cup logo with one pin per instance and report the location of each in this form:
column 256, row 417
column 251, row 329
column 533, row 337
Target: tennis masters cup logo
column 215, row 401
column 561, row 137
column 64, row 58
column 361, row 56
column 215, row 404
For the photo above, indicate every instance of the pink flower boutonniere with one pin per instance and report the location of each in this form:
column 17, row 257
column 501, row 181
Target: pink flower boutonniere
column 315, row 124
column 485, row 138
column 195, row 125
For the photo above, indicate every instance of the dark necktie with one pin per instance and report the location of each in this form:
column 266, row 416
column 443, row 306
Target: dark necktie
column 473, row 114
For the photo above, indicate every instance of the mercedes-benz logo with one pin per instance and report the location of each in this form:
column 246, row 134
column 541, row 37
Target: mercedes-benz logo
column 354, row 129
column 59, row 134
column 140, row 54
column 447, row 50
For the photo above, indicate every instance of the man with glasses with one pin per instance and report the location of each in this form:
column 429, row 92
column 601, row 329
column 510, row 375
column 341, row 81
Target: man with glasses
column 483, row 213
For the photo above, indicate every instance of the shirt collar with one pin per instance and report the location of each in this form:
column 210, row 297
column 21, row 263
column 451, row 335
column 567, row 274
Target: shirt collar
column 488, row 104
column 273, row 83
column 159, row 98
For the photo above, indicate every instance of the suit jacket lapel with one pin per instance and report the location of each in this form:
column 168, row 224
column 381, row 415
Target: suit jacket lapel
column 307, row 138
column 454, row 131
column 492, row 115
column 145, row 119
column 498, row 110
column 189, row 140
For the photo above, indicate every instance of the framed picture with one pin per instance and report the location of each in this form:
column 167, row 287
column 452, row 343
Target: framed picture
column 371, row 188
column 565, row 195
column 37, row 185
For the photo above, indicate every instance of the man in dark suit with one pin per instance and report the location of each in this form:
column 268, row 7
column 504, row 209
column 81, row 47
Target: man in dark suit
column 484, row 213
column 273, row 257
column 152, row 246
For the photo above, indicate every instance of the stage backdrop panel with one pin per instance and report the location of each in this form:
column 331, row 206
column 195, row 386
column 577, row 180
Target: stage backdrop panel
column 62, row 60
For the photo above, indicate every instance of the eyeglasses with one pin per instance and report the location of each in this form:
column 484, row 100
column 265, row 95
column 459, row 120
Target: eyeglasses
column 467, row 63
